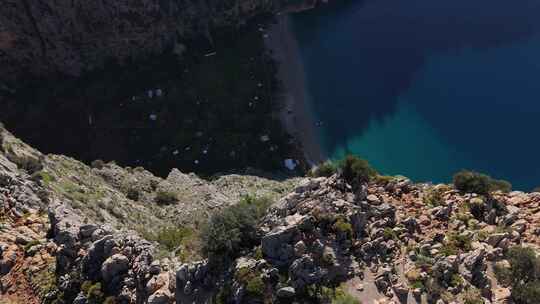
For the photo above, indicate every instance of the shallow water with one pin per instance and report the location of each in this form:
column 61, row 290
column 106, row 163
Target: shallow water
column 423, row 88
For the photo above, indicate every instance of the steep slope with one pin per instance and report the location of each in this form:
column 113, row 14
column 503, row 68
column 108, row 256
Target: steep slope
column 119, row 199
column 71, row 233
column 46, row 38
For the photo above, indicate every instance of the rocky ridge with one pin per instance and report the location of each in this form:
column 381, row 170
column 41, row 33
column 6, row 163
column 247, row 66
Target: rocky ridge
column 387, row 245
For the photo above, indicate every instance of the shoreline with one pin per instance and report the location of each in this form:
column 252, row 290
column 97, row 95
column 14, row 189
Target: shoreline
column 296, row 115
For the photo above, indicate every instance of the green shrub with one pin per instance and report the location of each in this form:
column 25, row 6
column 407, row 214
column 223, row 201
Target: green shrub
column 418, row 285
column 456, row 242
column 477, row 207
column 384, row 179
column 474, row 182
column 255, row 287
column 43, row 176
column 172, row 237
column 468, row 181
column 345, row 299
column 456, row 280
column 342, row 297
column 93, row 292
column 224, row 294
column 433, row 197
column 500, row 185
column 233, row 229
column 166, row 197
column 356, row 170
column 523, row 275
column 328, row 168
column 251, row 279
column 472, row 296
column 342, row 226
column 30, row 245
column 389, row 234
column 424, row 262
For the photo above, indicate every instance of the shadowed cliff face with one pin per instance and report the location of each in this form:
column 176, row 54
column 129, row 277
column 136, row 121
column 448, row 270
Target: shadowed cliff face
column 44, row 38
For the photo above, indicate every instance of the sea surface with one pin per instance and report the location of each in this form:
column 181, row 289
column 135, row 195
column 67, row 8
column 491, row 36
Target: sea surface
column 425, row 88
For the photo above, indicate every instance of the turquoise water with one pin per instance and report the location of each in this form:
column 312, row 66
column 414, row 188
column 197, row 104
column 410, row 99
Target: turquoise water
column 425, row 89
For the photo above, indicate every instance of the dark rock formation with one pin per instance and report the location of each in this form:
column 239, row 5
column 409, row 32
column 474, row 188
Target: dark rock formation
column 67, row 37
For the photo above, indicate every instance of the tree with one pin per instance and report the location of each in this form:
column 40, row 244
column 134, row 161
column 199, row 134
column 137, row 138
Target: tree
column 356, row 170
column 523, row 275
column 474, row 182
column 233, row 229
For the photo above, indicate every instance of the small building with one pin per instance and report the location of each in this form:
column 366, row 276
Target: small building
column 175, row 152
column 153, row 117
column 150, row 93
column 159, row 92
column 265, row 138
column 290, row 164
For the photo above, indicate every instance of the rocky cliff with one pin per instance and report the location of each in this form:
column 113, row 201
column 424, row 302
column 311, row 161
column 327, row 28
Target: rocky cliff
column 53, row 210
column 71, row 233
column 47, row 38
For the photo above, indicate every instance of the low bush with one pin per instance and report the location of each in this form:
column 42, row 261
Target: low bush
column 433, row 197
column 327, row 169
column 474, row 182
column 342, row 297
column 166, row 197
column 472, row 296
column 93, row 292
column 342, row 226
column 477, row 207
column 43, row 177
column 356, row 170
column 455, row 242
column 252, row 281
column 29, row 245
column 390, row 234
column 523, row 275
column 233, row 229
column 345, row 298
column 172, row 237
column 384, row 179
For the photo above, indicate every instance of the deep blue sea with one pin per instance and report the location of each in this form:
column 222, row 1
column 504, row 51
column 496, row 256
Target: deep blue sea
column 425, row 88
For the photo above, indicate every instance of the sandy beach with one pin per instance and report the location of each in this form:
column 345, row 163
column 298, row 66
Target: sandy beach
column 296, row 115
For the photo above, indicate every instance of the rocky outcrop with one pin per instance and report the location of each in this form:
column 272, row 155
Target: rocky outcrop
column 121, row 260
column 386, row 236
column 57, row 240
column 44, row 38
